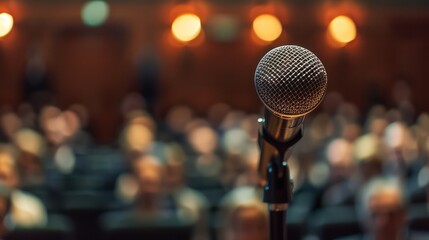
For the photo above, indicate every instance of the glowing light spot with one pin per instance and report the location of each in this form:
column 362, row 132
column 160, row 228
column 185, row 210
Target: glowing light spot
column 95, row 13
column 267, row 27
column 186, row 27
column 6, row 24
column 342, row 29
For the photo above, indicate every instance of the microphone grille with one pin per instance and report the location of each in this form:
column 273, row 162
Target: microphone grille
column 290, row 81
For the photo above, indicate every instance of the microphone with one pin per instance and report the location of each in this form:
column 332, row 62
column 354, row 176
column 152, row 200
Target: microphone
column 291, row 82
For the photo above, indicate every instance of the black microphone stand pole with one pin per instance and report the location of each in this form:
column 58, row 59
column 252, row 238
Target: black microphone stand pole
column 278, row 188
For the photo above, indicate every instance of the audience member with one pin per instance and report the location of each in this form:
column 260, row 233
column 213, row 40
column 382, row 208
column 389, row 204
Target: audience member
column 5, row 206
column 57, row 131
column 401, row 149
column 382, row 210
column 245, row 221
column 341, row 187
column 78, row 140
column 138, row 134
column 10, row 123
column 188, row 201
column 26, row 209
column 369, row 154
column 150, row 199
column 31, row 148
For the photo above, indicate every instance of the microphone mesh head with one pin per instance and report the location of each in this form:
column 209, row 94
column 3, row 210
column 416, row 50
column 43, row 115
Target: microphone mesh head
column 290, row 81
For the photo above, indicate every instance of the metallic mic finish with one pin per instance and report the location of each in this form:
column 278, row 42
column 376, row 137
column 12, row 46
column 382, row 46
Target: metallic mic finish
column 290, row 81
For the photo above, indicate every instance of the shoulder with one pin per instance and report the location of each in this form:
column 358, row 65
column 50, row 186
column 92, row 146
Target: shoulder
column 27, row 209
column 240, row 195
column 194, row 196
column 26, row 200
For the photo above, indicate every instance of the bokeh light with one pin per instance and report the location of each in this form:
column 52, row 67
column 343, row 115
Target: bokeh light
column 186, row 27
column 95, row 13
column 267, row 27
column 6, row 24
column 342, row 29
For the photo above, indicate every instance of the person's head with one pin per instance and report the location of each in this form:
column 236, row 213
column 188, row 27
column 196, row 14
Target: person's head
column 247, row 221
column 351, row 131
column 10, row 123
column 202, row 138
column 382, row 208
column 149, row 174
column 369, row 154
column 8, row 169
column 73, row 122
column 339, row 156
column 31, row 147
column 54, row 125
column 377, row 126
column 137, row 137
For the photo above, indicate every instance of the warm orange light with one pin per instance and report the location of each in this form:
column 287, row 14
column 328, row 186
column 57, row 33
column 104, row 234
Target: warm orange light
column 6, row 24
column 186, row 27
column 267, row 27
column 342, row 29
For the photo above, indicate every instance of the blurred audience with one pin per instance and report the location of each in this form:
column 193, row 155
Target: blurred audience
column 204, row 167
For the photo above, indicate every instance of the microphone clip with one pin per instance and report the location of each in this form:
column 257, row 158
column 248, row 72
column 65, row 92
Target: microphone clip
column 278, row 188
column 281, row 147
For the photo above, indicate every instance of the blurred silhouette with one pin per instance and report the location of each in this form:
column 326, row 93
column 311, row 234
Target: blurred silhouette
column 138, row 134
column 148, row 71
column 341, row 187
column 151, row 208
column 151, row 199
column 10, row 123
column 31, row 154
column 189, row 201
column 26, row 209
column 246, row 221
column 37, row 85
column 57, row 131
column 382, row 210
column 401, row 149
column 5, row 207
column 369, row 153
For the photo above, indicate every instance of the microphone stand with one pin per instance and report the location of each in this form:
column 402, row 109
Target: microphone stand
column 278, row 188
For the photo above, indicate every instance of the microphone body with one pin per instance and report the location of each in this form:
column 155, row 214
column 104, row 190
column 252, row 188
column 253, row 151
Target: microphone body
column 282, row 130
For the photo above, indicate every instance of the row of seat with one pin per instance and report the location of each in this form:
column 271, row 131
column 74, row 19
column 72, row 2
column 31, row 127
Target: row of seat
column 327, row 224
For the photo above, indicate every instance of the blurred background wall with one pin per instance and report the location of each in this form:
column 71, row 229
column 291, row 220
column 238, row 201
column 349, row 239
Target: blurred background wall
column 97, row 63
